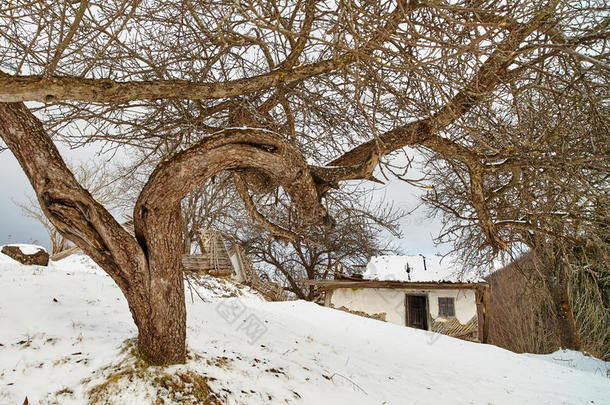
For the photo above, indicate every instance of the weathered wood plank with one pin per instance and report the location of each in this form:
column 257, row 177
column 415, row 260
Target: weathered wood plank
column 207, row 264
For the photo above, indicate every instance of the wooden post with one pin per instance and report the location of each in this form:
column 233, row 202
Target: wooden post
column 328, row 296
column 479, row 293
column 485, row 314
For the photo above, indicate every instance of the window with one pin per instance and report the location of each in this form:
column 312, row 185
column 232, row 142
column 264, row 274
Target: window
column 446, row 307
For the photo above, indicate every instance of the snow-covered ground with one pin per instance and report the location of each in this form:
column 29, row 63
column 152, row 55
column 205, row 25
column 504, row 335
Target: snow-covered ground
column 65, row 330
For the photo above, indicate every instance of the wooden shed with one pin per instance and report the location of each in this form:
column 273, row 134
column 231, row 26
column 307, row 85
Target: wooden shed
column 214, row 258
column 218, row 260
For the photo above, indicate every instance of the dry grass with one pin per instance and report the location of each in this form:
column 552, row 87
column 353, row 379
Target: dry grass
column 164, row 385
column 522, row 318
column 590, row 299
column 521, row 315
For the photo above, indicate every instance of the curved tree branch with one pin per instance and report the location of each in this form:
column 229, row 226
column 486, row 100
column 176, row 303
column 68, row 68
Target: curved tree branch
column 329, row 177
column 425, row 132
column 242, row 189
column 236, row 148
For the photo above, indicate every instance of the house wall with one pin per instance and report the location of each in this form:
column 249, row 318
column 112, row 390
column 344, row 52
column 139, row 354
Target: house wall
column 391, row 302
column 372, row 301
column 465, row 303
column 239, row 272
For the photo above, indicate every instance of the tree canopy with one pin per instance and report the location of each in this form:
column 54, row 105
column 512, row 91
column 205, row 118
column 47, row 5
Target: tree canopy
column 301, row 94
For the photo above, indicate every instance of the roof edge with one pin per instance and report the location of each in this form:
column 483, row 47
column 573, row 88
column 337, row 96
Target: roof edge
column 332, row 284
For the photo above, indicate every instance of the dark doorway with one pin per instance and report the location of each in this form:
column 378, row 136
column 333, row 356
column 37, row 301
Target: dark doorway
column 417, row 313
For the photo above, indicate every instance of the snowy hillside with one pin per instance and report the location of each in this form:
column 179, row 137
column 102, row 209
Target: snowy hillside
column 66, row 334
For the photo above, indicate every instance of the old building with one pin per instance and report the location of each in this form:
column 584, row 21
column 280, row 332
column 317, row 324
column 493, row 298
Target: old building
column 414, row 291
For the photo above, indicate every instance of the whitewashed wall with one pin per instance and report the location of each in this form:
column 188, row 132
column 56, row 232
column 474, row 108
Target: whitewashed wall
column 391, row 302
column 239, row 272
column 465, row 303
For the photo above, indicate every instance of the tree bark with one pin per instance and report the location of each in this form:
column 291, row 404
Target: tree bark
column 151, row 281
column 57, row 88
column 566, row 326
column 162, row 328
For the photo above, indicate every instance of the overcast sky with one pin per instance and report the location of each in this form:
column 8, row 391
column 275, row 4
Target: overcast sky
column 14, row 227
column 418, row 231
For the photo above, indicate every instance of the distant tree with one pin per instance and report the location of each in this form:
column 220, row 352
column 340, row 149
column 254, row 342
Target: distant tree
column 364, row 226
column 32, row 210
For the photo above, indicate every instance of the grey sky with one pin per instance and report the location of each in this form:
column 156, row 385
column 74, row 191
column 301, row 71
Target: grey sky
column 14, row 227
column 417, row 230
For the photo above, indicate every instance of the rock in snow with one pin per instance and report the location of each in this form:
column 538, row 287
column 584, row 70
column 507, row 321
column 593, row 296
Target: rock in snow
column 27, row 254
column 254, row 352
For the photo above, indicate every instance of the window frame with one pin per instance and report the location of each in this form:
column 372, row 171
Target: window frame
column 446, row 305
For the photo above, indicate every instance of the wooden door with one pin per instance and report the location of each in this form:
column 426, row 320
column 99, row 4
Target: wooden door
column 417, row 311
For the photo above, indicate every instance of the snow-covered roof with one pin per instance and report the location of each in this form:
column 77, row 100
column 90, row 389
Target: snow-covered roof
column 416, row 269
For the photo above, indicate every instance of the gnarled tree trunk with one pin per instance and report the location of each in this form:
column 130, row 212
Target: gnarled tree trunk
column 148, row 268
column 151, row 281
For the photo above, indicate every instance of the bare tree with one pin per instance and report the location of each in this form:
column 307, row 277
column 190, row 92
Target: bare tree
column 270, row 90
column 363, row 227
column 550, row 193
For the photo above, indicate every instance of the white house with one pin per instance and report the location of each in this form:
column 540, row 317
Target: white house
column 417, row 292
